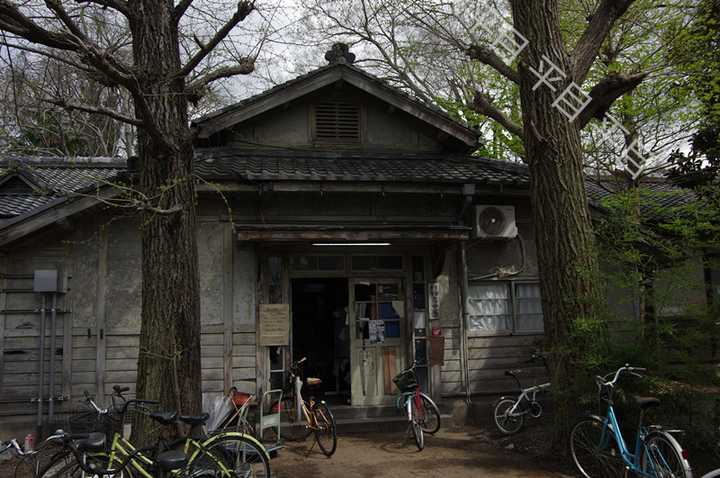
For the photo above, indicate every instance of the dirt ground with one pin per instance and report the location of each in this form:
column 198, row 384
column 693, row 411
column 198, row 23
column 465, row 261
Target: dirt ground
column 457, row 455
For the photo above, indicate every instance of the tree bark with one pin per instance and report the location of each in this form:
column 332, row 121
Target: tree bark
column 563, row 231
column 169, row 360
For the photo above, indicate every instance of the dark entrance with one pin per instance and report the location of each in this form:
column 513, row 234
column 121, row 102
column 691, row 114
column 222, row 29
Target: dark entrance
column 321, row 333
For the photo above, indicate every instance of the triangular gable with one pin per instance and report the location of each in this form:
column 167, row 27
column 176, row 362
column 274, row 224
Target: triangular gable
column 18, row 182
column 313, row 81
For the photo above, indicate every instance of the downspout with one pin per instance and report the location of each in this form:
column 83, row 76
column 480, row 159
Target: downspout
column 463, row 321
column 468, row 193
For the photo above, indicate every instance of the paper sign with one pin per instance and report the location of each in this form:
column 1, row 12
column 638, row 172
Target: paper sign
column 274, row 324
column 376, row 331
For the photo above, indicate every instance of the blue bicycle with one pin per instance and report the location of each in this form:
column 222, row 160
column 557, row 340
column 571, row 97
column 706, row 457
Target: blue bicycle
column 598, row 448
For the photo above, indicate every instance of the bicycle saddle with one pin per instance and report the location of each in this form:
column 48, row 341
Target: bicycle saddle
column 646, row 402
column 171, row 460
column 194, row 420
column 94, row 442
column 312, row 381
column 164, row 418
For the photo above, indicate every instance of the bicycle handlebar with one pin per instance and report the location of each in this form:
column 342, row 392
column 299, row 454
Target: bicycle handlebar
column 635, row 371
column 11, row 444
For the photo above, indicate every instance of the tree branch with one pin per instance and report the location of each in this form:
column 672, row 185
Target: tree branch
column 180, row 9
column 598, row 28
column 488, row 57
column 14, row 21
column 195, row 87
column 245, row 7
column 482, row 104
column 119, row 5
column 605, row 92
column 70, row 105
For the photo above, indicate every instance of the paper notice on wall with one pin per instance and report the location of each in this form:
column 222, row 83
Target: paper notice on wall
column 274, row 324
column 376, row 331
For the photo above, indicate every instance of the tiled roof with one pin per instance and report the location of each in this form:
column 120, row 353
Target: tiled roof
column 241, row 165
column 53, row 179
column 658, row 193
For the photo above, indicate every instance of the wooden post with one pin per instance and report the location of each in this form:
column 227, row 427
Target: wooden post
column 3, row 304
column 228, row 261
column 100, row 294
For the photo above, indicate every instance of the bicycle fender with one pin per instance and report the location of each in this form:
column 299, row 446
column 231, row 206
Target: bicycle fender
column 676, row 444
column 505, row 397
column 250, row 438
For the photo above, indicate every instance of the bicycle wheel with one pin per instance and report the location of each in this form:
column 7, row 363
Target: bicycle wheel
column 229, row 455
column 416, row 429
column 662, row 457
column 65, row 465
column 594, row 450
column 325, row 433
column 430, row 422
column 506, row 423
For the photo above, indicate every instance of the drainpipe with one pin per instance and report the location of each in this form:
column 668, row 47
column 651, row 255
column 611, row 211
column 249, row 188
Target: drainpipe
column 463, row 322
column 41, row 375
column 53, row 332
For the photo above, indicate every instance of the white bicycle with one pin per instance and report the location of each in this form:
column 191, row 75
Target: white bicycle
column 509, row 412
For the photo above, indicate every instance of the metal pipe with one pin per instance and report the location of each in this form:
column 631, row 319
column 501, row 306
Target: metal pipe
column 463, row 323
column 53, row 332
column 41, row 374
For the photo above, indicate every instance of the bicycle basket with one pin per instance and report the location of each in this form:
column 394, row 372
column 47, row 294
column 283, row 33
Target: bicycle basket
column 406, row 381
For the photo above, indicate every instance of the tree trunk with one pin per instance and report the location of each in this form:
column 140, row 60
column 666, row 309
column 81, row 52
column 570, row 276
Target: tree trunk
column 564, row 237
column 169, row 359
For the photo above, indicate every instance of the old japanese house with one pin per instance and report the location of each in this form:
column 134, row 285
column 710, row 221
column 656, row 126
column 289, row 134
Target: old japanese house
column 340, row 220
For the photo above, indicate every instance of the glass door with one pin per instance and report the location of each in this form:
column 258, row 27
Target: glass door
column 377, row 309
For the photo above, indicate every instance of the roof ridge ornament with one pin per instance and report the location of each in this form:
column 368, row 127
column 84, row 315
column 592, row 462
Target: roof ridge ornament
column 340, row 53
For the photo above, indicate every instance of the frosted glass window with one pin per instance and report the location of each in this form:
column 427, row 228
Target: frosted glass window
column 529, row 316
column 490, row 308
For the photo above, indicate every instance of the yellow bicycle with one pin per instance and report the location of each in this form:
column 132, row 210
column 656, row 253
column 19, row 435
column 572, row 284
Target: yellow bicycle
column 225, row 454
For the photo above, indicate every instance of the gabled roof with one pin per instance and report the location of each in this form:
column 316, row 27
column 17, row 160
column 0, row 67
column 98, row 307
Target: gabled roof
column 53, row 180
column 321, row 77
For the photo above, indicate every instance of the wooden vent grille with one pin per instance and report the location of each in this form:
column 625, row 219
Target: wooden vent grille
column 337, row 122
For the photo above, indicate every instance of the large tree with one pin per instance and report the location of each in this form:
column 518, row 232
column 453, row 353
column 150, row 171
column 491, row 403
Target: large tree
column 160, row 77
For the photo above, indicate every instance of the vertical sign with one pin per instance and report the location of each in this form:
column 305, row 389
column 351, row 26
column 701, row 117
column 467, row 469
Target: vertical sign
column 274, row 324
column 434, row 301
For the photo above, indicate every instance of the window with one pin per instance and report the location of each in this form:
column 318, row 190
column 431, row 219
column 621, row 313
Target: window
column 317, row 263
column 377, row 263
column 497, row 308
column 337, row 122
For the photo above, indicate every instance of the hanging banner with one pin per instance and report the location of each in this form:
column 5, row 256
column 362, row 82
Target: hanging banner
column 274, row 324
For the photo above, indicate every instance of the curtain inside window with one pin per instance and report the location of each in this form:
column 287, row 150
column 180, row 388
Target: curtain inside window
column 489, row 308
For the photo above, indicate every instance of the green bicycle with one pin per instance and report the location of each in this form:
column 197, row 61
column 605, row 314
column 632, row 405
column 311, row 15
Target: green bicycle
column 225, row 454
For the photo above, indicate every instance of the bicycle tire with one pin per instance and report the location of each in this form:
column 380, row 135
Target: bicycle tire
column 325, row 422
column 229, row 454
column 592, row 457
column 416, row 429
column 65, row 465
column 663, row 456
column 431, row 419
column 506, row 424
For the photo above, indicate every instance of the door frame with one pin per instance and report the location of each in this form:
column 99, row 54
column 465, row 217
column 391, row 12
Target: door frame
column 286, row 251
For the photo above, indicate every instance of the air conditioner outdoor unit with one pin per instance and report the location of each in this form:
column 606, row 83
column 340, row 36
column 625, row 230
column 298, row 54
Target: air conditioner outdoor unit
column 495, row 222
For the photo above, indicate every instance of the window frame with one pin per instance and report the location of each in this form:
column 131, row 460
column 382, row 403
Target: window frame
column 514, row 316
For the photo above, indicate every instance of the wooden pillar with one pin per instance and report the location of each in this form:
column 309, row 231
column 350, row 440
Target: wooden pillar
column 228, row 261
column 100, row 294
column 3, row 304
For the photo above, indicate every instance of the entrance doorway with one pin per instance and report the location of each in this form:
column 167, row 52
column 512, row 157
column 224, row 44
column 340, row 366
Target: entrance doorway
column 321, row 332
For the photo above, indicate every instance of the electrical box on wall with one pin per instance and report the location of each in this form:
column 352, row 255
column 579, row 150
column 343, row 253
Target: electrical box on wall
column 49, row 280
column 495, row 222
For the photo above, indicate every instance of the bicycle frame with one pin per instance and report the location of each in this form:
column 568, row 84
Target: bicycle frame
column 527, row 394
column 631, row 460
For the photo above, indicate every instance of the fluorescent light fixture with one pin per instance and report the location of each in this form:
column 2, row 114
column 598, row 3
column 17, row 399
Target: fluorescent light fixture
column 353, row 244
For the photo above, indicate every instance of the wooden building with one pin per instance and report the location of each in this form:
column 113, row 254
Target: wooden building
column 334, row 202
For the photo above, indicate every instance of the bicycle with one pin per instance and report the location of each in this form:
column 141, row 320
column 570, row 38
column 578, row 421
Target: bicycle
column 422, row 413
column 598, row 447
column 509, row 412
column 225, row 454
column 317, row 417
